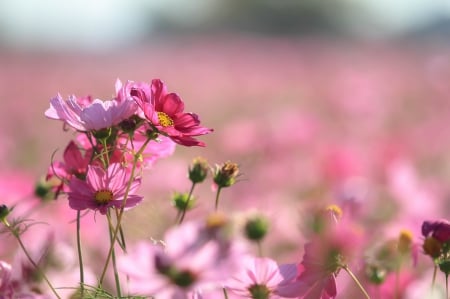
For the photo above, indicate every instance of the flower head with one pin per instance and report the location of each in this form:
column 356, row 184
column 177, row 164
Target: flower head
column 103, row 189
column 165, row 111
column 194, row 257
column 90, row 115
column 261, row 278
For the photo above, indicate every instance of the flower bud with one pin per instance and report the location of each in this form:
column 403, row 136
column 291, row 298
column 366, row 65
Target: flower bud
column 198, row 170
column 376, row 275
column 432, row 247
column 256, row 228
column 180, row 201
column 4, row 211
column 225, row 175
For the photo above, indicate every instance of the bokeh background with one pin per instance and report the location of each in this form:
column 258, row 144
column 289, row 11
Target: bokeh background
column 319, row 102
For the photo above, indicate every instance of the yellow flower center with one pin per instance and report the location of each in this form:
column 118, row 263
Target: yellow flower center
column 335, row 210
column 164, row 119
column 405, row 240
column 103, row 197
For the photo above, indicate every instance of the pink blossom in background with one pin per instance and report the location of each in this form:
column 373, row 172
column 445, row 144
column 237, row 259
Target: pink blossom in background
column 103, row 189
column 262, row 277
column 191, row 258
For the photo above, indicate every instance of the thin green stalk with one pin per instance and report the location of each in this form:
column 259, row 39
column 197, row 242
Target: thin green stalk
column 217, row 198
column 225, row 294
column 186, row 204
column 446, row 285
column 433, row 282
column 260, row 251
column 80, row 257
column 113, row 255
column 346, row 268
column 119, row 218
column 22, row 246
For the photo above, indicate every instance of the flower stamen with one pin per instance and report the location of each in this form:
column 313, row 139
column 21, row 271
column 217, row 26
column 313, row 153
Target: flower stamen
column 164, row 119
column 103, row 196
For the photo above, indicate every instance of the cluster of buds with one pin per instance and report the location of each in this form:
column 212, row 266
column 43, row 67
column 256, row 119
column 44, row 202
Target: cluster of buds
column 437, row 243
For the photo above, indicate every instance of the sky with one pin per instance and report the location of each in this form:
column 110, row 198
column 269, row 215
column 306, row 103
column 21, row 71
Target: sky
column 103, row 24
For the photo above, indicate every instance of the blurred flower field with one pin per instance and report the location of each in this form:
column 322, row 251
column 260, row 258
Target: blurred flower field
column 313, row 124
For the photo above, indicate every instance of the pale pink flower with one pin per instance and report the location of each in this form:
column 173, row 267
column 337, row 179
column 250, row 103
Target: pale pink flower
column 103, row 189
column 193, row 258
column 261, row 278
column 162, row 147
column 95, row 115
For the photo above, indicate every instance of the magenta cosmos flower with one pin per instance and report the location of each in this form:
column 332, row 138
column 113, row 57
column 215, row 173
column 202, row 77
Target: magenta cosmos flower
column 440, row 230
column 165, row 111
column 103, row 189
column 95, row 115
column 262, row 278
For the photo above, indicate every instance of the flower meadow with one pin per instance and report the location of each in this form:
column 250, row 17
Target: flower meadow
column 353, row 219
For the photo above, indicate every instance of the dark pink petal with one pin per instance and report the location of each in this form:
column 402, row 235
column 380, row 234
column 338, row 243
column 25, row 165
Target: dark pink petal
column 171, row 104
column 158, row 91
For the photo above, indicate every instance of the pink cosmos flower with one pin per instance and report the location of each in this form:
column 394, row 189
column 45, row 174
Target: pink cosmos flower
column 324, row 256
column 103, row 189
column 165, row 111
column 193, row 258
column 75, row 164
column 88, row 116
column 261, row 278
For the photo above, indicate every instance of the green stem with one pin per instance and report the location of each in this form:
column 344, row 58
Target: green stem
column 80, row 257
column 120, row 216
column 216, row 207
column 113, row 255
column 446, row 285
column 260, row 251
column 434, row 277
column 346, row 268
column 225, row 294
column 186, row 204
column 22, row 246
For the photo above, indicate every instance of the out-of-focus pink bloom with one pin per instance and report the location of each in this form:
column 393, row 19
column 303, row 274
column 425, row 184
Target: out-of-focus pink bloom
column 165, row 111
column 394, row 286
column 261, row 277
column 75, row 164
column 162, row 147
column 90, row 116
column 194, row 258
column 103, row 189
column 5, row 280
column 440, row 230
column 324, row 256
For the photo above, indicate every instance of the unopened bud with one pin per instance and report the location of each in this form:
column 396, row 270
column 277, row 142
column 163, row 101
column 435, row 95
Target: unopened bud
column 225, row 175
column 256, row 228
column 376, row 274
column 4, row 211
column 432, row 247
column 180, row 201
column 198, row 170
